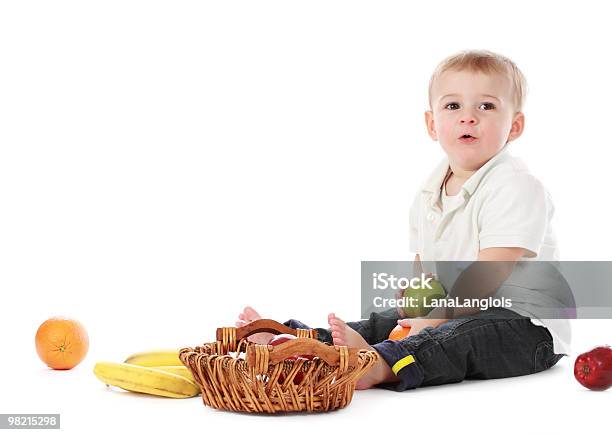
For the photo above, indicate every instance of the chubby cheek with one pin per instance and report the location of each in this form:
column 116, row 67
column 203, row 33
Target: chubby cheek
column 493, row 136
column 447, row 137
column 446, row 129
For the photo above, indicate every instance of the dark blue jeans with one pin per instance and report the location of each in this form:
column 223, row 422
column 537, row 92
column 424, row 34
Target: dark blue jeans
column 496, row 343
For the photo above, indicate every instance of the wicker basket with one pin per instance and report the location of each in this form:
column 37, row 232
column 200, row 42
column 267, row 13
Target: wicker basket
column 237, row 375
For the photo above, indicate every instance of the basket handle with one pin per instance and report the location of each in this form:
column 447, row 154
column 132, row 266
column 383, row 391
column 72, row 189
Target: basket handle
column 304, row 346
column 262, row 325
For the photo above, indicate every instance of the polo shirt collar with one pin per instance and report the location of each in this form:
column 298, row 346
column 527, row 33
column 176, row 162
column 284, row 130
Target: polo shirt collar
column 434, row 182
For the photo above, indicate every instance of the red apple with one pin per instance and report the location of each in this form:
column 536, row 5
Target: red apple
column 281, row 338
column 593, row 369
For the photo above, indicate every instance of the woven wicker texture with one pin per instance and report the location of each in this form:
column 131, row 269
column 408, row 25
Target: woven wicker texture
column 237, row 375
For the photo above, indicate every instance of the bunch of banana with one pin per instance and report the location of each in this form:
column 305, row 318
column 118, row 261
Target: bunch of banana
column 177, row 370
column 160, row 373
column 154, row 358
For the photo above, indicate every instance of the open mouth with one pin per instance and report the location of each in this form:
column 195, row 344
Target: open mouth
column 467, row 138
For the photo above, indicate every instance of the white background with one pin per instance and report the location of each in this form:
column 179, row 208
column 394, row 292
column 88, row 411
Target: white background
column 163, row 164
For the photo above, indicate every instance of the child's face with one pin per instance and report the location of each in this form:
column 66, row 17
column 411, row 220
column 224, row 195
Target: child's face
column 480, row 105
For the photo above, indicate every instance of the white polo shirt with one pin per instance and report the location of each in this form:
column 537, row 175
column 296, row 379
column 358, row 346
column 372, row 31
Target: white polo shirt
column 501, row 205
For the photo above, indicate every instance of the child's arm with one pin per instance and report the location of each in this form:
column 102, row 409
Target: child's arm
column 480, row 280
column 484, row 277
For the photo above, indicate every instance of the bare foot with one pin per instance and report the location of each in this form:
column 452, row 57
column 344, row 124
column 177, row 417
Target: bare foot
column 247, row 316
column 379, row 373
column 343, row 335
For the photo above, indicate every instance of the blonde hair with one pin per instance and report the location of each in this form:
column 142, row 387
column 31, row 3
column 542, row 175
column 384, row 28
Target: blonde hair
column 486, row 62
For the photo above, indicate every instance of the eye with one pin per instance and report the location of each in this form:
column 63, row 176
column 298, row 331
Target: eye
column 451, row 104
column 490, row 105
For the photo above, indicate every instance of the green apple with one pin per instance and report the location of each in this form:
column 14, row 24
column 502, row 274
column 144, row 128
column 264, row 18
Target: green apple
column 421, row 296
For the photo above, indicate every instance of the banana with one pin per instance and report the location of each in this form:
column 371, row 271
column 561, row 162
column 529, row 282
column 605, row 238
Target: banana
column 148, row 380
column 153, row 358
column 177, row 370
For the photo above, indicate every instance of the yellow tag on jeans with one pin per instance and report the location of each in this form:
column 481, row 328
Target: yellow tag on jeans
column 402, row 363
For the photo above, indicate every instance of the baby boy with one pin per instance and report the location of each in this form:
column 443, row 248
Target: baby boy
column 480, row 205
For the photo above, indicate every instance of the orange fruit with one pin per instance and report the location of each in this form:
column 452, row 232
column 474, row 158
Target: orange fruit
column 399, row 332
column 61, row 343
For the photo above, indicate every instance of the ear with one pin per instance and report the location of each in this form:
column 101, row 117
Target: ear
column 518, row 124
column 429, row 122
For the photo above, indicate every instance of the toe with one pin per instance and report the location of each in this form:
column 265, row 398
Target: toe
column 338, row 338
column 336, row 319
column 250, row 313
column 339, row 341
column 337, row 323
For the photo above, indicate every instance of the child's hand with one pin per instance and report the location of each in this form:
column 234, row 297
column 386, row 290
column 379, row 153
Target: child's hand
column 417, row 324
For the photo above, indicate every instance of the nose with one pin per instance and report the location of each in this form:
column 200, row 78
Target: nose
column 468, row 118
